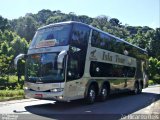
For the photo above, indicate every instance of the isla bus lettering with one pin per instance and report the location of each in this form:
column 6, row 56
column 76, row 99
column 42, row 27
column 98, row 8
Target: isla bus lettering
column 108, row 57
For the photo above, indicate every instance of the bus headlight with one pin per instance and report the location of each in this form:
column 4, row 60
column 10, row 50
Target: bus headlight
column 25, row 88
column 60, row 97
column 57, row 90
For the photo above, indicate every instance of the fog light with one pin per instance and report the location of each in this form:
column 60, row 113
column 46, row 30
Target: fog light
column 57, row 90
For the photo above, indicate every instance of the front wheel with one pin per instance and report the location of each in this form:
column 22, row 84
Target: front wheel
column 91, row 95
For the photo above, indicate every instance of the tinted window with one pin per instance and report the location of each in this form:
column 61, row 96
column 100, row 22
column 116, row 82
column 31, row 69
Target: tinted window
column 107, row 42
column 118, row 46
column 51, row 36
column 76, row 63
column 100, row 40
column 98, row 69
column 80, row 35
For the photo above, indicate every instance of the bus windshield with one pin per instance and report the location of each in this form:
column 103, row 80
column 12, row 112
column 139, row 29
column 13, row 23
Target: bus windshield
column 51, row 36
column 43, row 68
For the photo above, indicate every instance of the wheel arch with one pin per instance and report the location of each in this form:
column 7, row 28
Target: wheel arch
column 91, row 82
column 141, row 83
column 107, row 83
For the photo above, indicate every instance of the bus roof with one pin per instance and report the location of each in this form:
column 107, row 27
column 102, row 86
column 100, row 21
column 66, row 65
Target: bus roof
column 62, row 23
column 70, row 22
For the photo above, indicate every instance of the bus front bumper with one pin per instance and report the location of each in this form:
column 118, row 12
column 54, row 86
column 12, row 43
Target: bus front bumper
column 57, row 96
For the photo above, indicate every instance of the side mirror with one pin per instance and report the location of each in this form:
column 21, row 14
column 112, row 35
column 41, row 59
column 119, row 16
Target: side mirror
column 20, row 56
column 61, row 58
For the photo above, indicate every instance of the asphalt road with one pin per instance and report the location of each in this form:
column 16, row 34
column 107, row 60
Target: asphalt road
column 116, row 107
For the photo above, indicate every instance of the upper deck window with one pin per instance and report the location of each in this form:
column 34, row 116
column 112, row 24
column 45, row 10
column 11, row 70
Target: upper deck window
column 107, row 42
column 80, row 35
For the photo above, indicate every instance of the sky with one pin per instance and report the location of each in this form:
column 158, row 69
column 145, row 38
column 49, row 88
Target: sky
column 131, row 12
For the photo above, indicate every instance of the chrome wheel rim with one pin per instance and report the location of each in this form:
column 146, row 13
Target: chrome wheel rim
column 92, row 95
column 104, row 92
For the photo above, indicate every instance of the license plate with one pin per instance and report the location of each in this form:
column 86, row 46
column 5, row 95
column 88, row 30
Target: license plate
column 38, row 95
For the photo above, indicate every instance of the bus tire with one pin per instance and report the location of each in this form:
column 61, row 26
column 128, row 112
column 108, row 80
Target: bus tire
column 140, row 88
column 136, row 88
column 91, row 95
column 103, row 94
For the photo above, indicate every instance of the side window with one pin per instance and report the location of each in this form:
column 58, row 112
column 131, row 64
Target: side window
column 80, row 36
column 99, row 69
column 112, row 44
column 95, row 41
column 100, row 40
column 76, row 63
column 107, row 42
column 119, row 47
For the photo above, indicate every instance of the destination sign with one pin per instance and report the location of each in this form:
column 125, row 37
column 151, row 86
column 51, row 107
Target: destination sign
column 46, row 43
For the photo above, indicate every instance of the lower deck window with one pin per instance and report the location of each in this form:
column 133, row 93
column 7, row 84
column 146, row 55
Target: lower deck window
column 99, row 69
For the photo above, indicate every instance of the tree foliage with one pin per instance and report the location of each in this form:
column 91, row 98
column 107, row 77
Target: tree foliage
column 154, row 47
column 25, row 27
column 4, row 24
column 11, row 45
column 154, row 67
column 4, row 64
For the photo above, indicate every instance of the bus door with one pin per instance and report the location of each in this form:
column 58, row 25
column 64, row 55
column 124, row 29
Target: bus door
column 75, row 70
column 76, row 59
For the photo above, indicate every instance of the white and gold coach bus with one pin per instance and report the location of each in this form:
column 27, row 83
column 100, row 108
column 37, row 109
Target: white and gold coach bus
column 71, row 60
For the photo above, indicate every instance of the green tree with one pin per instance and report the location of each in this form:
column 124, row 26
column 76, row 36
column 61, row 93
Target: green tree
column 4, row 64
column 85, row 19
column 30, row 28
column 4, row 24
column 55, row 19
column 140, row 40
column 19, row 46
column 153, row 67
column 4, row 48
column 115, row 22
column 43, row 15
column 158, row 67
column 154, row 47
column 26, row 27
column 100, row 22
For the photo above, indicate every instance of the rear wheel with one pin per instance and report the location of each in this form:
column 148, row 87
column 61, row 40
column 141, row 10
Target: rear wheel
column 136, row 88
column 104, row 93
column 91, row 95
column 140, row 88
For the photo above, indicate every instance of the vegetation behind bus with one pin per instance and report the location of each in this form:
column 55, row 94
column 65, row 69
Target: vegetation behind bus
column 15, row 36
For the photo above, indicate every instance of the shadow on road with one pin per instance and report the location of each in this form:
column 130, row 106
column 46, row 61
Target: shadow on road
column 115, row 107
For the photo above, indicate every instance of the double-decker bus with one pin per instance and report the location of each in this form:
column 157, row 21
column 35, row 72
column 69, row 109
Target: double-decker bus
column 72, row 60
